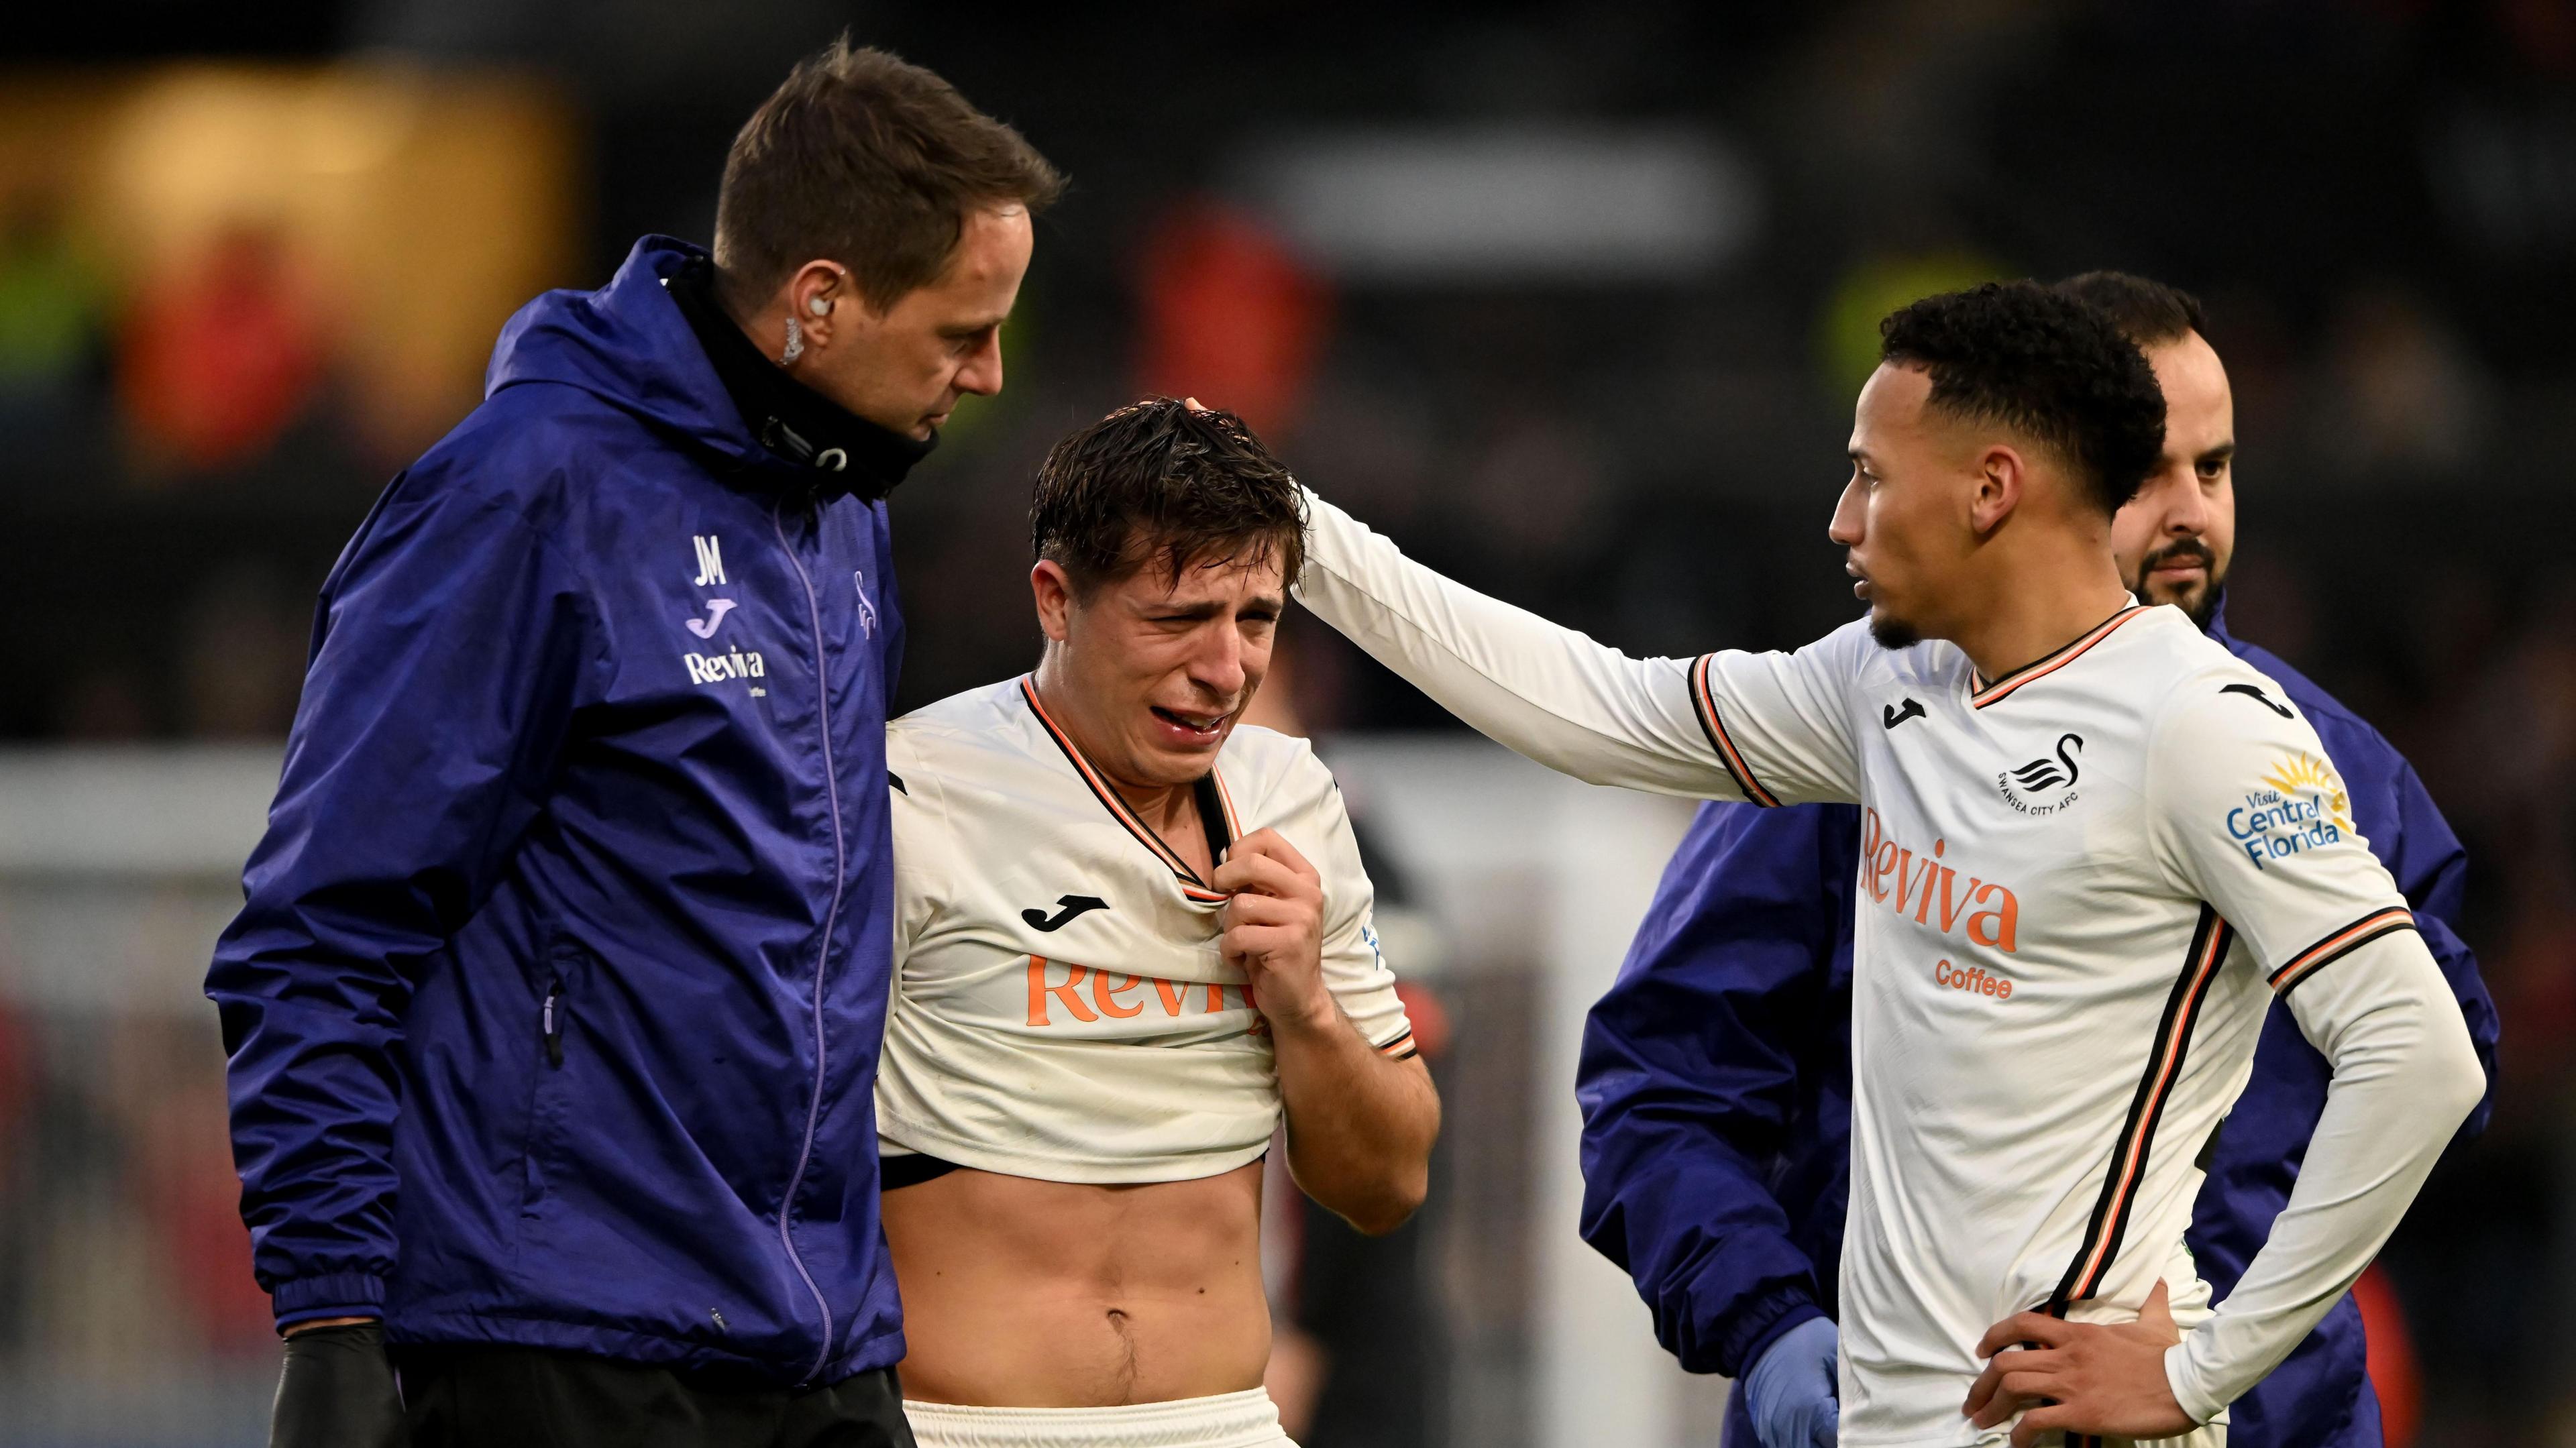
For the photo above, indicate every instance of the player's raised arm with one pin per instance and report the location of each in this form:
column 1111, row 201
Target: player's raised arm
column 2250, row 813
column 1770, row 728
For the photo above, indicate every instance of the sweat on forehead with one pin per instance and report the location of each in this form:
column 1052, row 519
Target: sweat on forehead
column 2044, row 364
column 1160, row 483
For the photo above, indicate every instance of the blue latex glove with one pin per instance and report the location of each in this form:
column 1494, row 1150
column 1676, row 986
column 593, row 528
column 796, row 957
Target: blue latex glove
column 1791, row 1391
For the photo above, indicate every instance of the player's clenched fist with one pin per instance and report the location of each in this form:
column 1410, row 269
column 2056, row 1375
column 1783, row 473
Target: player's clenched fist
column 1274, row 928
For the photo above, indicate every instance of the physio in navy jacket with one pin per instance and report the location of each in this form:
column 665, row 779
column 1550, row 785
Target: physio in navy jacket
column 1715, row 1076
column 554, row 1007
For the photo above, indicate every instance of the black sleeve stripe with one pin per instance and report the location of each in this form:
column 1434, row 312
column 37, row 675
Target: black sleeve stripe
column 1704, row 706
column 2109, row 1225
column 897, row 781
column 2340, row 943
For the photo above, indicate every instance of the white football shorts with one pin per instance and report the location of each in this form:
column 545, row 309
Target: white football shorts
column 1229, row 1420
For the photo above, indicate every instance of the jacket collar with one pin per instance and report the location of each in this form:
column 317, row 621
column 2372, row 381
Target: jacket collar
column 2218, row 622
column 631, row 345
column 831, row 450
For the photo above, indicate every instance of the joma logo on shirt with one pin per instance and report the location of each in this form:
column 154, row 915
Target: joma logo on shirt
column 1108, row 992
column 1894, row 876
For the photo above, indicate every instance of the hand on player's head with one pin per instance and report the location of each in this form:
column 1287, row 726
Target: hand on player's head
column 1165, row 543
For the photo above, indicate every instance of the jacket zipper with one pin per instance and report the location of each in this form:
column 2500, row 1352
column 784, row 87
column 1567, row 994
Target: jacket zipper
column 553, row 1024
column 831, row 920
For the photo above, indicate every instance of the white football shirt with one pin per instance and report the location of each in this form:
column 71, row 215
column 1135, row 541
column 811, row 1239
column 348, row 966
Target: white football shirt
column 1061, row 1006
column 2077, row 885
column 2081, row 887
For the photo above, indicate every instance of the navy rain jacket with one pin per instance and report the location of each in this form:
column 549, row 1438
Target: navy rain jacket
column 1715, row 1080
column 554, row 1008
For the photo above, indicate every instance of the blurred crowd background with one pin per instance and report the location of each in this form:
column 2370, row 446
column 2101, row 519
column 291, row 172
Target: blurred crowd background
column 1570, row 299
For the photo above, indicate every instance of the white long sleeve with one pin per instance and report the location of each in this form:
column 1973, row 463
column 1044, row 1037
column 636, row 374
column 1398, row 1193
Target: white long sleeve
column 1778, row 722
column 2329, row 929
column 2405, row 1077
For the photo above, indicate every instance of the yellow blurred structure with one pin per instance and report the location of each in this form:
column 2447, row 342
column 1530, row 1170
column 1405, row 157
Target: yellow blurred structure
column 416, row 208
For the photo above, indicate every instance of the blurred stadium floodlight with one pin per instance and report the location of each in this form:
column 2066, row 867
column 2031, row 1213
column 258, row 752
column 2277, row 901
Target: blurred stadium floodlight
column 1518, row 204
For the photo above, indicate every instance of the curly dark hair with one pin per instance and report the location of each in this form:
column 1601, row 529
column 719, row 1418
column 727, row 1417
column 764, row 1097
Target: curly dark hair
column 2148, row 313
column 2044, row 364
column 1160, row 482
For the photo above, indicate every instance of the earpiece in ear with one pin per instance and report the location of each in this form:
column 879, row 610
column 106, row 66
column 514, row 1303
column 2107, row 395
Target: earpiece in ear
column 818, row 306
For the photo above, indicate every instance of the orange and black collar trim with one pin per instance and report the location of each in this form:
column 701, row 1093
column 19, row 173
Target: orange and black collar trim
column 1216, row 806
column 1981, row 693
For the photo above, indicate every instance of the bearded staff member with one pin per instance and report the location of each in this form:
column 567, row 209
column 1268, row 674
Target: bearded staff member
column 554, row 1008
column 1131, row 934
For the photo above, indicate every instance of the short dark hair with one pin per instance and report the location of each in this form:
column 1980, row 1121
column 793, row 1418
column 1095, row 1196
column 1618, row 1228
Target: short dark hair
column 2044, row 364
column 1159, row 481
column 872, row 162
column 2148, row 313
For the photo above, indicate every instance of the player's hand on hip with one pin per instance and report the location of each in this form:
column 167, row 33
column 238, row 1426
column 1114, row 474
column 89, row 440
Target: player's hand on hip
column 2083, row 1377
column 1274, row 928
column 338, row 1391
column 1792, row 1392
